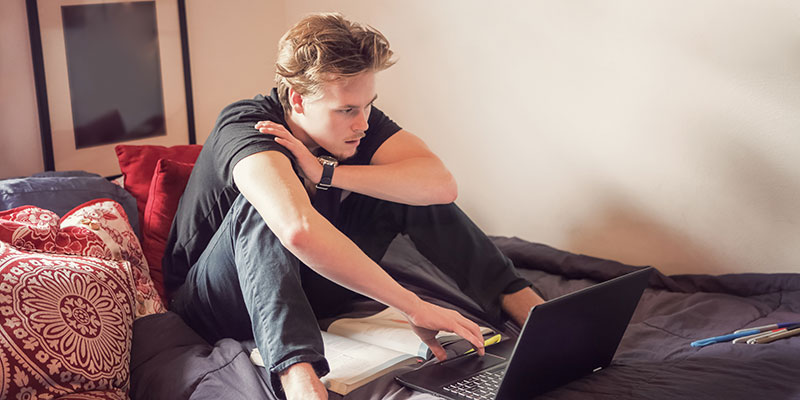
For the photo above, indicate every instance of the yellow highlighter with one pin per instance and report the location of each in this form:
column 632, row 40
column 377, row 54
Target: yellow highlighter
column 488, row 342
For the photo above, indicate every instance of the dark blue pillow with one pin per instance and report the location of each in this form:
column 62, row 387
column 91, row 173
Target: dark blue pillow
column 62, row 191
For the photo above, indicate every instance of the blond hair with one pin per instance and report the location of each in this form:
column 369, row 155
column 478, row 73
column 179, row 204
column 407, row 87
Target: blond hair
column 326, row 47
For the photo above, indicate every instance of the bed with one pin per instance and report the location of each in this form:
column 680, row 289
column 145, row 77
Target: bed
column 167, row 360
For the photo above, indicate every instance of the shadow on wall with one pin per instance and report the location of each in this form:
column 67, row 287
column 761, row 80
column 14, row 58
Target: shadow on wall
column 722, row 198
column 623, row 233
column 738, row 212
column 758, row 172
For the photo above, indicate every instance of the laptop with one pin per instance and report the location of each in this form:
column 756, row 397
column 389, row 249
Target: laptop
column 562, row 340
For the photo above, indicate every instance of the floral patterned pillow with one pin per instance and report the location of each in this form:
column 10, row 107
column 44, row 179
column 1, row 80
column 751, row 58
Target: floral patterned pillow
column 65, row 324
column 98, row 228
column 106, row 219
column 32, row 228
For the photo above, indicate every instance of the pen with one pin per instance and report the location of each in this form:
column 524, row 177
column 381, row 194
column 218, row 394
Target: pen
column 770, row 327
column 774, row 337
column 723, row 338
column 488, row 342
column 744, row 339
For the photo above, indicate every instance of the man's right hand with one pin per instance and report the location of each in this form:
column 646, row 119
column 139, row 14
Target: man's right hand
column 428, row 319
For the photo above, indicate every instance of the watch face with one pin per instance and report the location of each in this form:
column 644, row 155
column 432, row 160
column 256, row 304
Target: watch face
column 328, row 160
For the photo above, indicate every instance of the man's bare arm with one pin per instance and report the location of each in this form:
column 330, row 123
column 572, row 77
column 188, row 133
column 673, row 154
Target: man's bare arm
column 268, row 182
column 403, row 170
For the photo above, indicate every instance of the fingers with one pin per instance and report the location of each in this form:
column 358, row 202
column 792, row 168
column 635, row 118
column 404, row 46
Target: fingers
column 310, row 167
column 265, row 124
column 287, row 143
column 472, row 333
column 434, row 318
column 273, row 128
column 282, row 136
column 467, row 330
column 463, row 327
column 436, row 349
column 428, row 336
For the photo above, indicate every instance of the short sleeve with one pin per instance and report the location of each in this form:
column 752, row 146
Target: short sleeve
column 237, row 137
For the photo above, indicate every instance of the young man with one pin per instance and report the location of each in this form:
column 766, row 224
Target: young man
column 294, row 199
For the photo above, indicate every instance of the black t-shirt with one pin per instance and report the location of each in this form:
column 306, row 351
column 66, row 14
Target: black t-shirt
column 211, row 190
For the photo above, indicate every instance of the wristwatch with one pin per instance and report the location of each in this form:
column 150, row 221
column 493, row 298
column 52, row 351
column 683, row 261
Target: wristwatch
column 328, row 164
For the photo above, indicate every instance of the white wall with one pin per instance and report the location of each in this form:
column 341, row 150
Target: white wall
column 232, row 51
column 653, row 132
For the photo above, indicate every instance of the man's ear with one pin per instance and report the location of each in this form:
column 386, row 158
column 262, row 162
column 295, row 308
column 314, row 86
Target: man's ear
column 296, row 101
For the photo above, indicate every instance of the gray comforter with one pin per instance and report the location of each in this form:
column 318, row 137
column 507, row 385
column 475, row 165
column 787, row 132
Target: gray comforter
column 654, row 360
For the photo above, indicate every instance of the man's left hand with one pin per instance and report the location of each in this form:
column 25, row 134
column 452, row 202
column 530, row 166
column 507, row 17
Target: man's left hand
column 310, row 167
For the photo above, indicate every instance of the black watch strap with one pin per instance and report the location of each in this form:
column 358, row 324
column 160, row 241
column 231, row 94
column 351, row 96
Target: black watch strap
column 328, row 165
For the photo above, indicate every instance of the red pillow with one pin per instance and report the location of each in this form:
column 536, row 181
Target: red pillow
column 137, row 164
column 65, row 324
column 166, row 188
column 98, row 228
column 32, row 228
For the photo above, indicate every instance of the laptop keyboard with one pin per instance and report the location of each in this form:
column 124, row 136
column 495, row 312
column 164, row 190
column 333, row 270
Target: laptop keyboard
column 478, row 387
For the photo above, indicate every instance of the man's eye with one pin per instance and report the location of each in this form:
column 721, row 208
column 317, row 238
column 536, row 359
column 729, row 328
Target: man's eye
column 347, row 110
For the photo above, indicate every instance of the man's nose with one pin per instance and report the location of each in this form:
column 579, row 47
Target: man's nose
column 360, row 124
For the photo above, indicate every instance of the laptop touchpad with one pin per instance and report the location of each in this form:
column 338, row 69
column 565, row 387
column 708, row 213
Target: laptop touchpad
column 473, row 362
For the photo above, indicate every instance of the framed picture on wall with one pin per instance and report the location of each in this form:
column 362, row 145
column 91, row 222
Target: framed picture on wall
column 109, row 72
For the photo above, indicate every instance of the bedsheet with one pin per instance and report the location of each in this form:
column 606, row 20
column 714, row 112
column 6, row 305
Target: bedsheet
column 654, row 359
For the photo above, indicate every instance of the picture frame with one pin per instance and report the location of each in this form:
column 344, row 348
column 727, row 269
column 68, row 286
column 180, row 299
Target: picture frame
column 109, row 72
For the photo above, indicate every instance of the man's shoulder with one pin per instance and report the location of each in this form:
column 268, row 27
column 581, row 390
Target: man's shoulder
column 257, row 107
column 234, row 135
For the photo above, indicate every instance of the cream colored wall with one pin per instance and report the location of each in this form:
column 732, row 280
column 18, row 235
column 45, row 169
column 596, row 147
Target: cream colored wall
column 20, row 142
column 657, row 132
column 652, row 132
column 233, row 47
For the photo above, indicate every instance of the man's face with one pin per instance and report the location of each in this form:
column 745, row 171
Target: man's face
column 337, row 120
